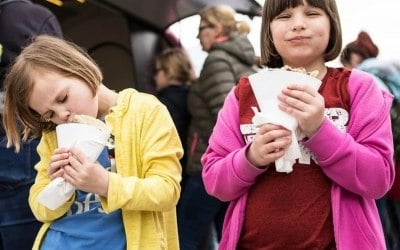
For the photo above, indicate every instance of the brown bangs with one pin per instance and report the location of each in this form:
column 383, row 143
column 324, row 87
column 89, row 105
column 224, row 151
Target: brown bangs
column 273, row 8
column 278, row 6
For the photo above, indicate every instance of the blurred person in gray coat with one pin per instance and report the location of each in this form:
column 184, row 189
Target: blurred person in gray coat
column 230, row 56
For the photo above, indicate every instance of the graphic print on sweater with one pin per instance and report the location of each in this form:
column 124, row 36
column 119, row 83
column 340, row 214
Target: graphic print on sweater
column 334, row 90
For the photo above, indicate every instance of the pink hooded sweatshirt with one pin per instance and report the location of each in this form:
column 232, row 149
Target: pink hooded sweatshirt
column 358, row 162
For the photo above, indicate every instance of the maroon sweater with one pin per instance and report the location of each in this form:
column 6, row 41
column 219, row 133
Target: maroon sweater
column 291, row 211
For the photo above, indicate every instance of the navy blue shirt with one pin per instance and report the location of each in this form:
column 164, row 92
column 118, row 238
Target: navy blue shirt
column 20, row 20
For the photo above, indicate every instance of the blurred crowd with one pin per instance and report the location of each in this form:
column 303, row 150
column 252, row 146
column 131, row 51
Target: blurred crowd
column 186, row 167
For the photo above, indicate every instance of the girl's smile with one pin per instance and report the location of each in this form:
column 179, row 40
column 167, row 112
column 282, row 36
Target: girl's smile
column 299, row 40
column 301, row 36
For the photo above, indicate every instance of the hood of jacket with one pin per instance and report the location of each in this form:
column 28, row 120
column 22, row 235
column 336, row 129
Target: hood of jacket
column 239, row 46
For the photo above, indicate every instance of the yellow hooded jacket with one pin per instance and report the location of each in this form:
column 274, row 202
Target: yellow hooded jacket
column 146, row 186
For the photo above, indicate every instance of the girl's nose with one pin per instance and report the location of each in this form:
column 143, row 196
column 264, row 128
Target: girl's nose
column 298, row 27
column 63, row 116
column 298, row 23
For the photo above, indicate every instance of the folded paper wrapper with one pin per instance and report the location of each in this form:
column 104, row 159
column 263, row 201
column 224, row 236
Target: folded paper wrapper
column 267, row 85
column 86, row 138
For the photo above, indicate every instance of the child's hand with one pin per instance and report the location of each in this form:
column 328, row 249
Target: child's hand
column 85, row 175
column 306, row 105
column 58, row 161
column 268, row 145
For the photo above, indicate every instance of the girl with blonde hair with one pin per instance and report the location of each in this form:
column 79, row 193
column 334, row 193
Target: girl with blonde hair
column 124, row 200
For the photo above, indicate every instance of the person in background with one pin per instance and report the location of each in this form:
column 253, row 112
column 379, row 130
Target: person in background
column 19, row 22
column 230, row 56
column 328, row 200
column 132, row 207
column 358, row 51
column 173, row 76
column 363, row 54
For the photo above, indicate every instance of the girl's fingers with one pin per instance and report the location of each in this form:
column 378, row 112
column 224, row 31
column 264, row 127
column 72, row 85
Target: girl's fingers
column 296, row 97
column 78, row 155
column 59, row 156
column 302, row 88
column 264, row 151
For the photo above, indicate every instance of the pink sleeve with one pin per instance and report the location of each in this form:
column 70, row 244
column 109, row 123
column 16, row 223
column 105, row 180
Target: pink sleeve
column 227, row 174
column 360, row 160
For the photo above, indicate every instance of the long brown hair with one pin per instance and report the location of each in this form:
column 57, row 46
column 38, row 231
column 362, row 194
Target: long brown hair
column 272, row 8
column 44, row 53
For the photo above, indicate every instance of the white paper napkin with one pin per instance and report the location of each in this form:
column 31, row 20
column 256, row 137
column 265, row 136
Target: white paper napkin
column 267, row 85
column 56, row 193
column 86, row 138
column 285, row 163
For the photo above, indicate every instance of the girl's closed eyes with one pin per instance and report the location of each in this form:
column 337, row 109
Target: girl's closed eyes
column 60, row 83
column 63, row 97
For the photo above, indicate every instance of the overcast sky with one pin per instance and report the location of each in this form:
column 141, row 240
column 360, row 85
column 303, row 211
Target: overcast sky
column 378, row 18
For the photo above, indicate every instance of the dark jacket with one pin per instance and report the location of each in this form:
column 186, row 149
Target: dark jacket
column 20, row 20
column 226, row 63
column 174, row 97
